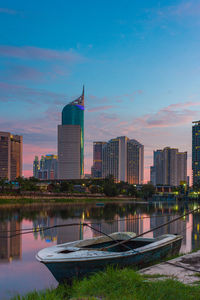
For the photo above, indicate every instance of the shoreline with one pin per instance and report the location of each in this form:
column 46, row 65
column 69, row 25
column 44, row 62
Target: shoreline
column 56, row 200
column 113, row 283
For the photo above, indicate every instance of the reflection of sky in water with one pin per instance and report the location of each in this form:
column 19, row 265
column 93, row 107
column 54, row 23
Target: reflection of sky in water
column 25, row 273
column 19, row 270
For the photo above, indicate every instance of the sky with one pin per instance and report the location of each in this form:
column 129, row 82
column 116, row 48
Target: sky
column 139, row 62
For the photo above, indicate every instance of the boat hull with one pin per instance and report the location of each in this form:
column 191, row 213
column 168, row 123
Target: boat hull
column 66, row 271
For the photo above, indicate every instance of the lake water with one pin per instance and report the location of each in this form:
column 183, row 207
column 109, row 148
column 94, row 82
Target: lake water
column 21, row 273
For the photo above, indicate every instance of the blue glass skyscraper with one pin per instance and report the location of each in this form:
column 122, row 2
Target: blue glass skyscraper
column 71, row 140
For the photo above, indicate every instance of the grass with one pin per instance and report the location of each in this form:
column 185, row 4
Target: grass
column 37, row 199
column 61, row 292
column 152, row 276
column 119, row 284
column 47, row 200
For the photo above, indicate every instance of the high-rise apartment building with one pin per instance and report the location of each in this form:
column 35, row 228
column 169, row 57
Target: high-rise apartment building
column 182, row 167
column 46, row 167
column 153, row 175
column 135, row 162
column 96, row 170
column 169, row 167
column 36, row 167
column 124, row 159
column 10, row 155
column 196, row 152
column 71, row 140
column 111, row 159
column 157, row 170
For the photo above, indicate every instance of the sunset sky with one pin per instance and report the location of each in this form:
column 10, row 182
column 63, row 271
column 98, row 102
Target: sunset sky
column 139, row 62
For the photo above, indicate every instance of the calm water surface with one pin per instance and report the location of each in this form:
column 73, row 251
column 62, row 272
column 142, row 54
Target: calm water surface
column 21, row 273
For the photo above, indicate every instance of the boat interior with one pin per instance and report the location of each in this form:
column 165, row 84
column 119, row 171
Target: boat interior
column 100, row 243
column 130, row 245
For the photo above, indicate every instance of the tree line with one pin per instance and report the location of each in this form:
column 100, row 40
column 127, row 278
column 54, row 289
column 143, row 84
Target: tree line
column 106, row 186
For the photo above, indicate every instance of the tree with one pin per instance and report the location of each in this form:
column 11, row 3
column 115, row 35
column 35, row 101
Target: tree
column 109, row 179
column 95, row 189
column 3, row 183
column 122, row 187
column 110, row 190
column 132, row 191
column 28, row 184
column 54, row 187
column 66, row 187
column 147, row 190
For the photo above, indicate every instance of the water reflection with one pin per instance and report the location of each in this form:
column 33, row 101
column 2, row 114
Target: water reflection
column 10, row 246
column 20, row 272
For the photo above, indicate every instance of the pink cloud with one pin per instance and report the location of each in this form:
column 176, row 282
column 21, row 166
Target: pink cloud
column 97, row 100
column 34, row 53
column 183, row 105
column 14, row 92
column 186, row 8
column 172, row 115
column 182, row 9
column 132, row 95
column 99, row 108
column 20, row 72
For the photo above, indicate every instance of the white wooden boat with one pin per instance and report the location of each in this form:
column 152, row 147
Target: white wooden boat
column 79, row 258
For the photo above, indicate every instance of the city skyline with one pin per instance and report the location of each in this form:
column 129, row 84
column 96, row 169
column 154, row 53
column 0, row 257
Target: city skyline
column 139, row 63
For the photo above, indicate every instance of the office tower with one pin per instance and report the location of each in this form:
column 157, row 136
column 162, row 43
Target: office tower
column 182, row 167
column 46, row 167
column 135, row 162
column 36, row 167
column 42, row 160
column 51, row 165
column 71, row 140
column 169, row 167
column 196, row 152
column 96, row 170
column 10, row 155
column 124, row 159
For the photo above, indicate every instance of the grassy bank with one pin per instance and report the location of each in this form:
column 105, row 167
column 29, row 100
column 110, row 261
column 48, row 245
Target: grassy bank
column 31, row 200
column 119, row 284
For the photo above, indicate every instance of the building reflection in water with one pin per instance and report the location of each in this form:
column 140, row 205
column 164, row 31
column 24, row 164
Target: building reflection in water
column 125, row 217
column 10, row 246
column 59, row 234
column 49, row 235
column 188, row 227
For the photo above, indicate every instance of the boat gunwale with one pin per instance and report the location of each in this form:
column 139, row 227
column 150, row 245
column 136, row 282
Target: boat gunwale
column 158, row 243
